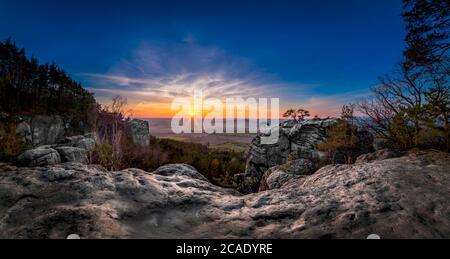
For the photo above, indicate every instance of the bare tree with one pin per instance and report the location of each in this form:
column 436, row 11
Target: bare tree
column 398, row 93
column 110, row 128
column 412, row 104
column 405, row 107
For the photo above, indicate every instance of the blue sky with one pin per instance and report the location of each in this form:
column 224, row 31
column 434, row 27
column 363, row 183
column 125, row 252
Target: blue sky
column 316, row 54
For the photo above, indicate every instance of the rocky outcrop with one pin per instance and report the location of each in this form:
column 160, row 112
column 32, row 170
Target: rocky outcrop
column 71, row 149
column 41, row 156
column 47, row 130
column 296, row 141
column 40, row 130
column 140, row 132
column 405, row 197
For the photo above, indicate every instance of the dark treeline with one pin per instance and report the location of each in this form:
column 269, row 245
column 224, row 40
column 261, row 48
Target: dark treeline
column 27, row 87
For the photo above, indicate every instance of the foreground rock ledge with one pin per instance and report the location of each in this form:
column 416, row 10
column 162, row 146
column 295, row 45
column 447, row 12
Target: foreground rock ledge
column 406, row 197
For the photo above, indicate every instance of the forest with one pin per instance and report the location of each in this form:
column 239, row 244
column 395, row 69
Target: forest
column 29, row 88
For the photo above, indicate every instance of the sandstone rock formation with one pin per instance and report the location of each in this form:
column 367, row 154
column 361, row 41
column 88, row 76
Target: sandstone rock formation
column 140, row 132
column 40, row 156
column 405, row 197
column 71, row 149
column 40, row 130
column 46, row 130
column 298, row 140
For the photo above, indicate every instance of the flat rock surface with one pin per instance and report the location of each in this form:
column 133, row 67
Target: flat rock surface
column 405, row 197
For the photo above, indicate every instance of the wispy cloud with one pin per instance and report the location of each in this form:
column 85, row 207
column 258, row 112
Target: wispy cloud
column 157, row 73
column 177, row 85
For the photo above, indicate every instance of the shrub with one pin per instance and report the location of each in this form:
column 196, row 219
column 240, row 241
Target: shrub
column 11, row 144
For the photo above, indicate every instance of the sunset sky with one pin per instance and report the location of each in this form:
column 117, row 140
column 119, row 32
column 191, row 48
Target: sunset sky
column 315, row 55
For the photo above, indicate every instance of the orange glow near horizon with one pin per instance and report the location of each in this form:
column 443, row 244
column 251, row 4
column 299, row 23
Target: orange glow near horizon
column 162, row 109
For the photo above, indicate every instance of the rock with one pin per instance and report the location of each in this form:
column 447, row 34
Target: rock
column 87, row 144
column 140, row 132
column 7, row 167
column 70, row 149
column 379, row 155
column 56, row 174
column 23, row 129
column 404, row 197
column 276, row 176
column 72, row 141
column 80, row 140
column 180, row 170
column 47, row 130
column 73, row 236
column 72, row 154
column 41, row 156
column 288, row 124
column 274, row 179
column 91, row 135
column 297, row 138
column 304, row 139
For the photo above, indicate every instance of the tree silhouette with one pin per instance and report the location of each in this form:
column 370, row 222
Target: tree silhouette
column 296, row 115
column 427, row 40
column 27, row 87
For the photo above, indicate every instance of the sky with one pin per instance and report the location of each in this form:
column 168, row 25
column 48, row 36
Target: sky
column 313, row 54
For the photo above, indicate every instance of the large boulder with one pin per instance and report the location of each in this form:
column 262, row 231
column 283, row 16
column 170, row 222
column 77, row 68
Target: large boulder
column 40, row 156
column 140, row 132
column 405, row 197
column 47, row 130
